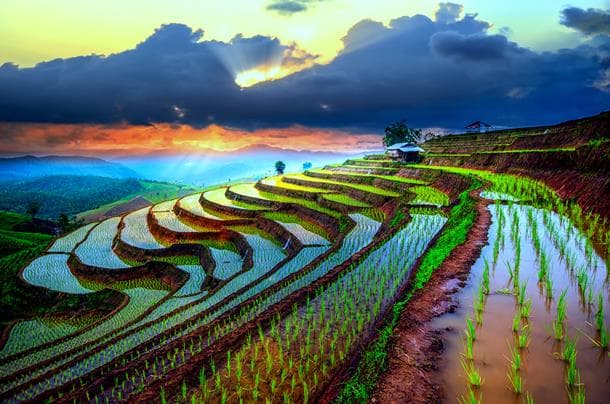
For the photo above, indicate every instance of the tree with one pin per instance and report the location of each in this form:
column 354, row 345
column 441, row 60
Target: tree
column 67, row 224
column 307, row 165
column 33, row 209
column 64, row 222
column 398, row 132
column 280, row 166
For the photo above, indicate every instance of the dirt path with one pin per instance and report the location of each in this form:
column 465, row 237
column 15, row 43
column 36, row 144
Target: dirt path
column 412, row 375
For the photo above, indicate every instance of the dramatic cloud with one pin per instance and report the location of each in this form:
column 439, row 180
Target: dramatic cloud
column 125, row 139
column 473, row 47
column 448, row 12
column 444, row 72
column 590, row 22
column 289, row 7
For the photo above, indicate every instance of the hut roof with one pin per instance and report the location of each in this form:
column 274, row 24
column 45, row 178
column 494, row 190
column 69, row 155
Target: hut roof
column 405, row 147
column 478, row 124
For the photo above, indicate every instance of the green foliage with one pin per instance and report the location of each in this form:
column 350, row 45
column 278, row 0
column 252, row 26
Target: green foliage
column 457, row 228
column 280, row 166
column 12, row 241
column 346, row 200
column 399, row 132
column 64, row 194
column 67, row 224
column 429, row 195
column 10, row 220
column 398, row 217
column 595, row 143
column 33, row 208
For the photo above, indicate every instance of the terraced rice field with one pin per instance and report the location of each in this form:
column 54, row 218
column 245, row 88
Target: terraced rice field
column 52, row 271
column 267, row 291
column 135, row 231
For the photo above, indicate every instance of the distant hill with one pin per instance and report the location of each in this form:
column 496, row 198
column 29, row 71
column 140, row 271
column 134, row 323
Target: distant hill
column 35, row 167
column 67, row 194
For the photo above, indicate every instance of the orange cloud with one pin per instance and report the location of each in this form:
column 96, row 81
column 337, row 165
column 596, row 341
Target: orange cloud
column 37, row 138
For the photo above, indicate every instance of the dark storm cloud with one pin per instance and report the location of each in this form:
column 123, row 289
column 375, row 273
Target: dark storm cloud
column 287, row 7
column 590, row 21
column 473, row 47
column 448, row 12
column 171, row 75
column 443, row 72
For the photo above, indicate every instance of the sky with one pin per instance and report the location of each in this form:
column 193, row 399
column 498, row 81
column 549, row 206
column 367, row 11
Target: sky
column 224, row 74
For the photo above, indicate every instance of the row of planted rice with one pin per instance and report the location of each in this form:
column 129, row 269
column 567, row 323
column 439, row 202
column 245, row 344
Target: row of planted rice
column 159, row 317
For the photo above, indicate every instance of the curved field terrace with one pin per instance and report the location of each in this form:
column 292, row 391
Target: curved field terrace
column 370, row 280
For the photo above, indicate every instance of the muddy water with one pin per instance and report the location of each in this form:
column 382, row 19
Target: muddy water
column 543, row 373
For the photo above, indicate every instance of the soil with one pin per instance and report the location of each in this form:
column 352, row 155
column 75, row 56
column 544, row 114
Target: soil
column 133, row 204
column 416, row 347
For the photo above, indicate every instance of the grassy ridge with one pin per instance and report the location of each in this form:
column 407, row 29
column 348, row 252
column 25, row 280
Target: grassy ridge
column 152, row 191
column 374, row 358
column 12, row 241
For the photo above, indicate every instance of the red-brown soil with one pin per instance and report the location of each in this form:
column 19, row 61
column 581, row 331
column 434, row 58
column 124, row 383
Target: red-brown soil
column 133, row 204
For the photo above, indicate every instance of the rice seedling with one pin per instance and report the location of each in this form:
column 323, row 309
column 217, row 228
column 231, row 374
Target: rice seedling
column 572, row 375
column 525, row 309
column 516, row 322
column 548, row 286
column 602, row 342
column 543, row 267
column 577, row 395
column 524, row 337
column 599, row 314
column 515, row 380
column 515, row 358
column 472, row 374
column 557, row 330
column 471, row 332
column 468, row 349
column 562, row 307
column 521, row 294
column 568, row 354
column 471, row 397
column 485, row 278
column 511, row 271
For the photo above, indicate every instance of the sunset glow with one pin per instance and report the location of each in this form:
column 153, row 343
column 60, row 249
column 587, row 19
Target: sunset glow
column 166, row 138
column 251, row 77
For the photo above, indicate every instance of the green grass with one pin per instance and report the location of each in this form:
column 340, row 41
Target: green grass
column 363, row 167
column 346, row 200
column 374, row 213
column 152, row 191
column 429, row 195
column 276, row 181
column 289, row 218
column 386, row 160
column 12, row 241
column 374, row 357
column 156, row 192
column 256, row 193
column 395, row 178
column 8, row 220
column 556, row 149
column 218, row 196
column 361, row 187
column 447, row 155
